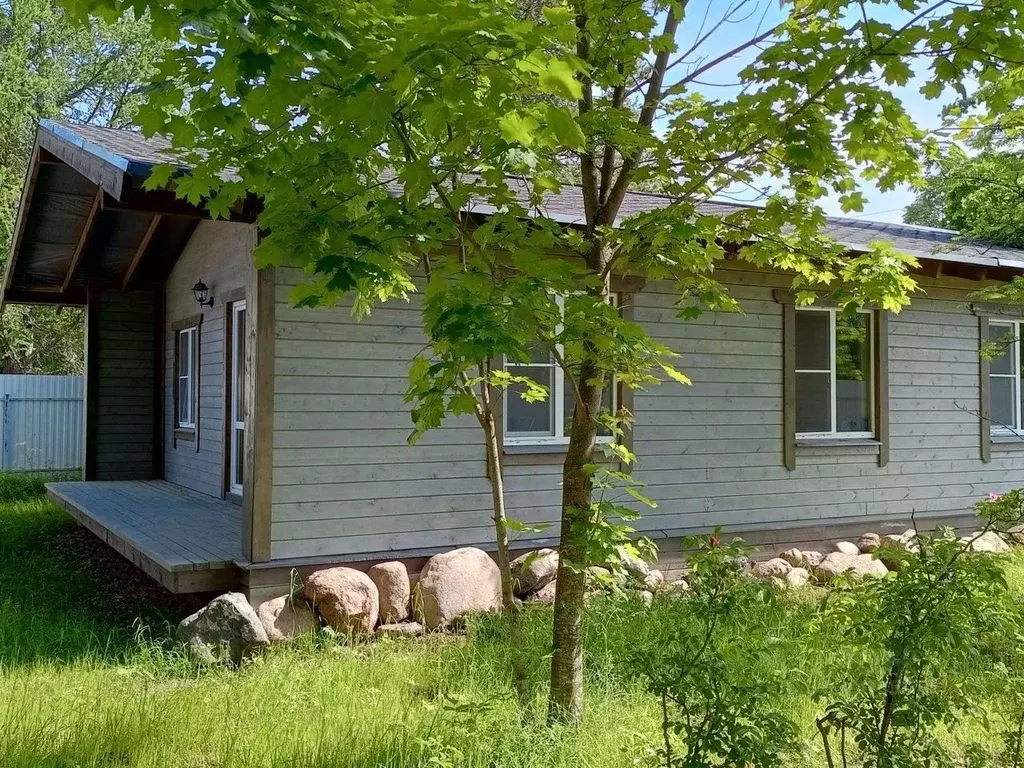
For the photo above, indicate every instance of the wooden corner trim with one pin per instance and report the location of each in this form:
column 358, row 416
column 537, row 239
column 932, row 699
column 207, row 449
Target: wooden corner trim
column 259, row 432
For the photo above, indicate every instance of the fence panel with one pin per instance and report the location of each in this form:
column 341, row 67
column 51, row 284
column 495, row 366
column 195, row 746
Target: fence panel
column 42, row 422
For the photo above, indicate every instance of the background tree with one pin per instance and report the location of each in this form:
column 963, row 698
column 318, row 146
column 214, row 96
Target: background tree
column 371, row 129
column 51, row 68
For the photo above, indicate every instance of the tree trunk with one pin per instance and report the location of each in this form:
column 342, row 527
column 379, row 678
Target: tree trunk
column 566, row 697
column 508, row 601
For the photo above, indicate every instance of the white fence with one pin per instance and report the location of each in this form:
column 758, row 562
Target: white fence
column 42, row 422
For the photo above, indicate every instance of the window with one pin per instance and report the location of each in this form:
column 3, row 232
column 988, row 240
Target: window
column 187, row 356
column 1004, row 377
column 834, row 373
column 550, row 421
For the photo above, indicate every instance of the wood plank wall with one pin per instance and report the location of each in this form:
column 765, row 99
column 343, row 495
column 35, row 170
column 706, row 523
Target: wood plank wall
column 345, row 484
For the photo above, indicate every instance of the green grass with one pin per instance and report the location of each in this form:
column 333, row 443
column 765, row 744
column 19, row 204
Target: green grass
column 88, row 677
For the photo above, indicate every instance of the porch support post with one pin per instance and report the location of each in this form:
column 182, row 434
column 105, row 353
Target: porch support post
column 259, row 422
column 92, row 360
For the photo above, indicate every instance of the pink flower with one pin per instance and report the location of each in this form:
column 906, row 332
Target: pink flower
column 994, row 497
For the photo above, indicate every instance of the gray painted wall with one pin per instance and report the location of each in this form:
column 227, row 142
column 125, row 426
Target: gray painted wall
column 218, row 254
column 346, row 484
column 125, row 382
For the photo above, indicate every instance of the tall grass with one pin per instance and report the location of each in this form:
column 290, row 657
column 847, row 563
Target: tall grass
column 82, row 685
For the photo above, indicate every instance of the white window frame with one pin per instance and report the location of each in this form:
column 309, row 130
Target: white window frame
column 189, row 377
column 833, row 434
column 556, row 394
column 1014, row 349
column 237, row 423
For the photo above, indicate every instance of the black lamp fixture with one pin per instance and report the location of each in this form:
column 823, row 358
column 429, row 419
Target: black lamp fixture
column 202, row 294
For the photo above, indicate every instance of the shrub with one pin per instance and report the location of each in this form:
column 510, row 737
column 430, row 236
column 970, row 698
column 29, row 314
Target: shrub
column 916, row 648
column 719, row 704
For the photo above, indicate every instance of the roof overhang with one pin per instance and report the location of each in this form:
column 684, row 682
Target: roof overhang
column 85, row 220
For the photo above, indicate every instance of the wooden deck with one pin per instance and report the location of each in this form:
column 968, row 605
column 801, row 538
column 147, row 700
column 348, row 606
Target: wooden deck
column 186, row 541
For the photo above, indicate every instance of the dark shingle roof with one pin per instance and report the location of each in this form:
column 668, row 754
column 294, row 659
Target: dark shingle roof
column 136, row 154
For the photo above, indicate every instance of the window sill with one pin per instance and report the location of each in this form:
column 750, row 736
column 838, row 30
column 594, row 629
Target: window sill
column 864, row 445
column 188, row 435
column 801, row 441
column 1008, row 442
column 518, row 449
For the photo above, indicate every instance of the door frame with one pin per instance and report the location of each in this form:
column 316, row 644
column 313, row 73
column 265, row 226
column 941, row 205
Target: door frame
column 230, row 299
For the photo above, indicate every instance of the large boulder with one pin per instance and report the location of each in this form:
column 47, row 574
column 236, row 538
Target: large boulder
column 346, row 598
column 869, row 542
column 284, row 618
column 846, row 547
column 533, row 571
column 990, row 543
column 836, row 564
column 776, row 568
column 453, row 584
column 393, row 590
column 893, row 549
column 224, row 631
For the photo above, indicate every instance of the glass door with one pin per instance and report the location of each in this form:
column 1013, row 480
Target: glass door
column 237, row 430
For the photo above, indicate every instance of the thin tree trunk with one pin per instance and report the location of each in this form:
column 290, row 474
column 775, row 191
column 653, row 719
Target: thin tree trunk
column 566, row 697
column 508, row 600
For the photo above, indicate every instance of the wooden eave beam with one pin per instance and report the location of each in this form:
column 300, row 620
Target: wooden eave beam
column 75, row 297
column 83, row 239
column 31, row 174
column 140, row 252
column 165, row 202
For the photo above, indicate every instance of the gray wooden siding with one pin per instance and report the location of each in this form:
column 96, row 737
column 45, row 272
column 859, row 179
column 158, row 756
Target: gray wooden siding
column 346, row 484
column 125, row 383
column 218, row 254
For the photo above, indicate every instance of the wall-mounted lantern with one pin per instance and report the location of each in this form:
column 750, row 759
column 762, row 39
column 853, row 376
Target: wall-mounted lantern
column 202, row 294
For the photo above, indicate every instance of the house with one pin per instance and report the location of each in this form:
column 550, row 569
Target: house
column 231, row 437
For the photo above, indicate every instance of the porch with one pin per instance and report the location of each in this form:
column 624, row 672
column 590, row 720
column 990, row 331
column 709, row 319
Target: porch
column 186, row 541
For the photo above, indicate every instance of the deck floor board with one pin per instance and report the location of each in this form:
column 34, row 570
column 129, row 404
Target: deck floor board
column 173, row 534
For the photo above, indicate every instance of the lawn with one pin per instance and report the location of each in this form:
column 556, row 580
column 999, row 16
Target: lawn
column 88, row 677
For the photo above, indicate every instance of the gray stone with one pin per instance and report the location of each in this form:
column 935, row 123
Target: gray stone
column 545, row 594
column 869, row 542
column 634, row 567
column 654, row 580
column 393, row 590
column 284, row 618
column 771, row 569
column 811, row 558
column 677, row 588
column 401, row 629
column 454, row 584
column 533, row 571
column 225, row 630
column 793, row 556
column 646, row 596
column 796, row 578
column 856, row 566
column 846, row 547
column 346, row 598
column 989, row 543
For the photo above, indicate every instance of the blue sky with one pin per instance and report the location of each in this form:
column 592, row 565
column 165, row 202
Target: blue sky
column 757, row 16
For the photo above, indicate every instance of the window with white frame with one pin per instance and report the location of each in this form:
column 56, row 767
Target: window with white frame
column 187, row 356
column 549, row 421
column 1004, row 377
column 834, row 373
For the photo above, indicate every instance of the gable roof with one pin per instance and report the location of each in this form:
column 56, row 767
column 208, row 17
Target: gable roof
column 118, row 161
